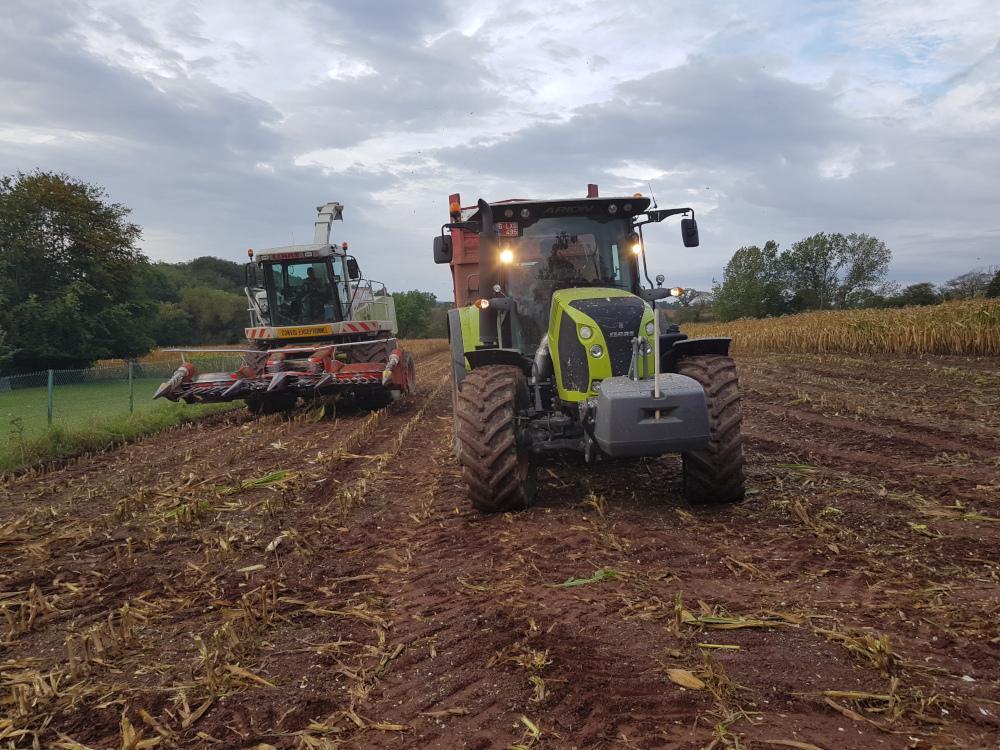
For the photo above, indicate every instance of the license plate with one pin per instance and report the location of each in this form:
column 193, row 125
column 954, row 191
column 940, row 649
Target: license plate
column 507, row 228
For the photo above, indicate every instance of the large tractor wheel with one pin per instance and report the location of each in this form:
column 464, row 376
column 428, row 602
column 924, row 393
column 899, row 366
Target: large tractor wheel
column 715, row 475
column 492, row 449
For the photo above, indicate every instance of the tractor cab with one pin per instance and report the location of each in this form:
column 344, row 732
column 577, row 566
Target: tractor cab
column 546, row 246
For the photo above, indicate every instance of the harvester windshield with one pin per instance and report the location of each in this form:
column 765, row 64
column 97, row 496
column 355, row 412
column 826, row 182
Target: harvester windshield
column 304, row 293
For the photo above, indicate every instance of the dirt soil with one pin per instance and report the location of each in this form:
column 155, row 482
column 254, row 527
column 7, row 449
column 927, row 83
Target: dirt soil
column 320, row 583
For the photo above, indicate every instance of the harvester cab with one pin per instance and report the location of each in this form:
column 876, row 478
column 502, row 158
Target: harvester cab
column 318, row 328
column 557, row 345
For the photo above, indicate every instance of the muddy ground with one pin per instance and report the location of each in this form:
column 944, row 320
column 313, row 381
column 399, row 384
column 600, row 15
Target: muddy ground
column 320, row 583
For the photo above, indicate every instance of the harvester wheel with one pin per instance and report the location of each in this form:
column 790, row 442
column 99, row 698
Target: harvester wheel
column 374, row 352
column 715, row 475
column 255, row 360
column 495, row 457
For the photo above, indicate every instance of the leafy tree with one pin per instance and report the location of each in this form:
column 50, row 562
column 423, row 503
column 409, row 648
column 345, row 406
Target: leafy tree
column 413, row 313
column 751, row 284
column 437, row 326
column 923, row 293
column 216, row 273
column 5, row 350
column 827, row 271
column 175, row 326
column 993, row 290
column 68, row 261
column 217, row 316
column 972, row 284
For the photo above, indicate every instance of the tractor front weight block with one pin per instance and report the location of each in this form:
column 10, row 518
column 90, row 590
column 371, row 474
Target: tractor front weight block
column 630, row 421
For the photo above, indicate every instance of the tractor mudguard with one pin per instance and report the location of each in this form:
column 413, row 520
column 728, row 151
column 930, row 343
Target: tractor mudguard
column 484, row 357
column 693, row 348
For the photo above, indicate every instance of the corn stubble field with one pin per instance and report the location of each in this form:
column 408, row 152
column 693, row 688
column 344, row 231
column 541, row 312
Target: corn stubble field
column 321, row 583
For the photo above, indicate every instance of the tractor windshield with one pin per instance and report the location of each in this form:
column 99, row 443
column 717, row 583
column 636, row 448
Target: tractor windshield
column 558, row 253
column 303, row 293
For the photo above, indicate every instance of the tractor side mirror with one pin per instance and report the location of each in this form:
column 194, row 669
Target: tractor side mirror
column 251, row 276
column 689, row 231
column 442, row 249
column 353, row 269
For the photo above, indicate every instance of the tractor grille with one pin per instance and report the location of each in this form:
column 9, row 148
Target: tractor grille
column 573, row 363
column 619, row 319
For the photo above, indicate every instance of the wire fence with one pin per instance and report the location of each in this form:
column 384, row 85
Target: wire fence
column 33, row 402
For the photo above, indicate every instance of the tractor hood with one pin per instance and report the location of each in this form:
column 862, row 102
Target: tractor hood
column 590, row 336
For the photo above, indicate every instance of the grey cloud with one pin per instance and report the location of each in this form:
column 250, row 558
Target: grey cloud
column 757, row 143
column 745, row 145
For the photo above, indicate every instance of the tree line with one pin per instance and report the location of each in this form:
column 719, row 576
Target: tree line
column 825, row 272
column 76, row 288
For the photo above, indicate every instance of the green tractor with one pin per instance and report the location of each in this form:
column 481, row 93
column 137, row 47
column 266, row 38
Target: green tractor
column 557, row 346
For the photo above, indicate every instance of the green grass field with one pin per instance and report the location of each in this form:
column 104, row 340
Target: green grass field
column 74, row 405
column 86, row 416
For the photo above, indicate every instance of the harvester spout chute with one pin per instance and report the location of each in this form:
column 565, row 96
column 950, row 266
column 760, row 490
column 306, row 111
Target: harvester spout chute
column 326, row 214
column 181, row 375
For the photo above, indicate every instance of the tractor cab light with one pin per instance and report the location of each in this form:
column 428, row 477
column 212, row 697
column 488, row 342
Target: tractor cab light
column 482, row 304
column 637, row 248
column 250, row 252
column 506, row 256
column 455, row 208
column 636, row 195
column 676, row 291
column 343, row 246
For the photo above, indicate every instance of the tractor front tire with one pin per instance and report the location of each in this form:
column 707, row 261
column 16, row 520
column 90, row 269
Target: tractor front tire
column 714, row 476
column 496, row 459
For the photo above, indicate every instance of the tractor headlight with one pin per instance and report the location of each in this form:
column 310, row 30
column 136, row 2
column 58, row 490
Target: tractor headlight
column 586, row 332
column 506, row 256
column 596, row 351
column 650, row 328
column 644, row 347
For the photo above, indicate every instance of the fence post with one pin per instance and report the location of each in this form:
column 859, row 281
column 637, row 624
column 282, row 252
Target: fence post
column 131, row 388
column 52, row 385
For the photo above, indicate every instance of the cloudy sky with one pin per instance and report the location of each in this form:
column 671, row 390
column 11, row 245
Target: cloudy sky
column 222, row 124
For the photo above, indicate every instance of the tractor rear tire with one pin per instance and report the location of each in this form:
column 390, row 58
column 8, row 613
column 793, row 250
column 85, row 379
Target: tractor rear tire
column 496, row 459
column 714, row 476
